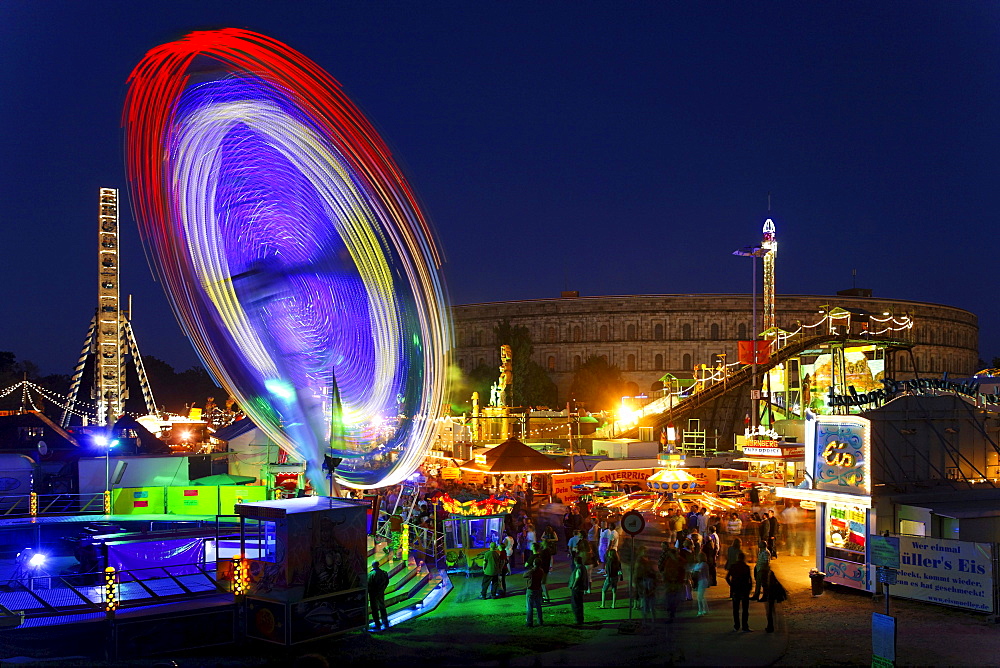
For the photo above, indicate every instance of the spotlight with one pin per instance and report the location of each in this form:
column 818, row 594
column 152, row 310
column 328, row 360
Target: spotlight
column 36, row 560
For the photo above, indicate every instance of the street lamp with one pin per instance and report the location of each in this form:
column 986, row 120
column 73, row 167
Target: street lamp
column 107, row 444
column 754, row 252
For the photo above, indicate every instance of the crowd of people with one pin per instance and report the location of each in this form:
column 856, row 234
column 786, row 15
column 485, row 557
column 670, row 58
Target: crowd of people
column 698, row 546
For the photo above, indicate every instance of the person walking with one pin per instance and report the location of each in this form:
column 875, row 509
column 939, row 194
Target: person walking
column 542, row 557
column 503, row 570
column 534, row 581
column 772, row 534
column 734, row 527
column 739, row 580
column 579, row 583
column 491, row 571
column 761, row 569
column 733, row 552
column 699, row 579
column 646, row 587
column 523, row 546
column 612, row 576
column 674, row 571
column 774, row 593
column 378, row 581
column 711, row 549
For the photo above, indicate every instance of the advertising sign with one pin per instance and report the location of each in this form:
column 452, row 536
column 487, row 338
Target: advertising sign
column 948, row 572
column 562, row 484
column 884, row 550
column 841, row 446
column 638, row 476
column 883, row 639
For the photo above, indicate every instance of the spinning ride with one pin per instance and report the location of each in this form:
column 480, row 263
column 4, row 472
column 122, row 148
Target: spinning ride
column 292, row 251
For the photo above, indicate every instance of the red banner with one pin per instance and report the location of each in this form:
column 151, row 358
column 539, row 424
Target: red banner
column 745, row 349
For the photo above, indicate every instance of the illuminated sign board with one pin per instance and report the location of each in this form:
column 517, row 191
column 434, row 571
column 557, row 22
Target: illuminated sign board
column 841, row 451
column 775, row 452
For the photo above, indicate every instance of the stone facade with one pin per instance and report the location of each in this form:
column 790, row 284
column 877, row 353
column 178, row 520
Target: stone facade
column 647, row 336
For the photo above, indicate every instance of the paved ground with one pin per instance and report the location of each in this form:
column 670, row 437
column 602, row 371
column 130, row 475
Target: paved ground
column 831, row 630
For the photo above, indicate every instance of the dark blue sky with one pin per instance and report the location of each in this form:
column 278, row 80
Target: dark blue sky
column 610, row 148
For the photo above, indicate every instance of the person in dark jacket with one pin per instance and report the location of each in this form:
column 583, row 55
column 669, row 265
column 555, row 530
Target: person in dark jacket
column 774, row 592
column 579, row 583
column 740, row 581
column 378, row 581
column 535, row 579
column 772, row 534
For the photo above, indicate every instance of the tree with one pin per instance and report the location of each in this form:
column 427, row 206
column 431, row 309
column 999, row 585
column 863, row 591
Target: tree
column 597, row 385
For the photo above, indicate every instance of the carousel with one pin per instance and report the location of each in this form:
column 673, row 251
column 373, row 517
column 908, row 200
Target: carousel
column 670, row 491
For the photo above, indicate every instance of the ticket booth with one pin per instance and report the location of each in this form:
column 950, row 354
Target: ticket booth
column 306, row 560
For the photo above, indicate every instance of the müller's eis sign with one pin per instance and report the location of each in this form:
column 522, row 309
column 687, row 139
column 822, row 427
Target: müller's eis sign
column 891, row 388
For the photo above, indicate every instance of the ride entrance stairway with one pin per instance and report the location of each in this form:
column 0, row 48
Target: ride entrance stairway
column 413, row 589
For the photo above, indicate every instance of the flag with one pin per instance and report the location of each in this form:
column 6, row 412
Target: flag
column 663, row 436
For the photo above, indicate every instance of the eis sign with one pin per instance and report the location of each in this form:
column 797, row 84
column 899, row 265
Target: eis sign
column 840, row 459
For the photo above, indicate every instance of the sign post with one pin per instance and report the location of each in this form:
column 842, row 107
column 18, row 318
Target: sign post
column 883, row 641
column 632, row 523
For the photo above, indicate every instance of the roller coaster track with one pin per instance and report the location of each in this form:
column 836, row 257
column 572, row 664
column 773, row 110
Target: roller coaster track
column 745, row 374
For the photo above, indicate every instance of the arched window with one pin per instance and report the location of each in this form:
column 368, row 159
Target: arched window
column 658, row 362
column 577, row 334
column 686, row 332
column 482, row 361
column 604, row 333
column 551, row 363
column 552, row 334
column 630, row 333
column 658, row 332
column 630, row 363
column 715, row 331
column 605, row 358
column 686, row 363
column 576, row 361
column 461, row 364
column 741, row 332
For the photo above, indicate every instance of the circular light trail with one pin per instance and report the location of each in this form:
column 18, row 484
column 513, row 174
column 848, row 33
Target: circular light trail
column 292, row 251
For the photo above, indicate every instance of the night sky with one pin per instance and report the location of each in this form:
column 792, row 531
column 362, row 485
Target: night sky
column 610, row 148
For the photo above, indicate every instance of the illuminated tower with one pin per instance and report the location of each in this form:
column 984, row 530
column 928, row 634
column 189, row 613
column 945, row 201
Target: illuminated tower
column 770, row 246
column 110, row 342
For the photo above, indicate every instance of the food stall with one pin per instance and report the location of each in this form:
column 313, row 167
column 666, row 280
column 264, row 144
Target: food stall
column 838, row 449
column 470, row 528
column 774, row 463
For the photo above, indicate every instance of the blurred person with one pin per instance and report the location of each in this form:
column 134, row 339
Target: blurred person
column 542, row 558
column 761, row 569
column 774, row 593
column 739, row 580
column 711, row 549
column 612, row 576
column 674, row 571
column 699, row 579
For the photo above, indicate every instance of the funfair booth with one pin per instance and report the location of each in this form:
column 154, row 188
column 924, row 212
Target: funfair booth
column 304, row 567
column 838, row 463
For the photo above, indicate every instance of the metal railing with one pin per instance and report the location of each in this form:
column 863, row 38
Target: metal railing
column 28, row 505
column 41, row 595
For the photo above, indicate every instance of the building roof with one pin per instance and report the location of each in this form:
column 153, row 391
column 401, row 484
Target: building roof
column 235, row 430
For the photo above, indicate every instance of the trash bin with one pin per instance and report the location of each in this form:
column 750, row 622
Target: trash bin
column 817, row 577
